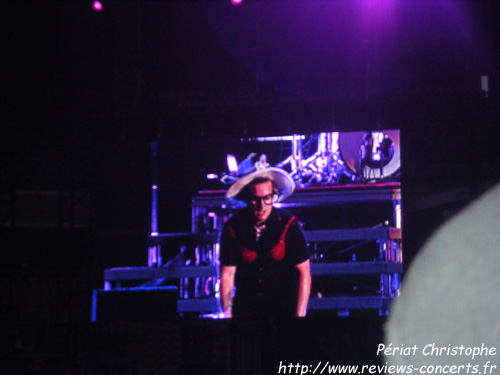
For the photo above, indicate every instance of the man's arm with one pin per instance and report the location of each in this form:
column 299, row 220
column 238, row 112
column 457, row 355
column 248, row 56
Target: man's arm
column 304, row 287
column 226, row 289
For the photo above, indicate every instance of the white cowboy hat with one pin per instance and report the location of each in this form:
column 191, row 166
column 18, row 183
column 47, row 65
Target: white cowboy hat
column 283, row 183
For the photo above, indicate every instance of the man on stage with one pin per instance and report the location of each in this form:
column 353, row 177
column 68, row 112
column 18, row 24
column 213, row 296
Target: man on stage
column 263, row 251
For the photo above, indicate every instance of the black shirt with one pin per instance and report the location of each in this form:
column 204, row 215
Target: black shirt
column 266, row 279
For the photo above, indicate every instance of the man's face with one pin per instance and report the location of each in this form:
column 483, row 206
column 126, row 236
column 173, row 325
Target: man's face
column 260, row 194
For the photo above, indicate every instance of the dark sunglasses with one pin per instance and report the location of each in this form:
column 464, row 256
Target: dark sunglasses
column 266, row 199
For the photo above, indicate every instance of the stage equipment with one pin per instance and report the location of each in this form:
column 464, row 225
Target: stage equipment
column 371, row 155
column 232, row 164
column 154, row 254
column 134, row 304
column 322, row 166
column 236, row 170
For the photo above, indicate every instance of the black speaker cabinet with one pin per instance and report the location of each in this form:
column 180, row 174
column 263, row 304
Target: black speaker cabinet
column 134, row 304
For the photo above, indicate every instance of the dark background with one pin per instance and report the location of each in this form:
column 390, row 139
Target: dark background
column 84, row 94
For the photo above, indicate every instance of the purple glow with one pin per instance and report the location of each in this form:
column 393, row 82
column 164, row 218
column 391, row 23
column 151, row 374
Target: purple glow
column 380, row 14
column 96, row 6
column 236, row 2
column 375, row 47
column 155, row 187
column 212, row 176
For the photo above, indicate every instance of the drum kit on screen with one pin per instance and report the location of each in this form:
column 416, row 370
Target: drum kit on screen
column 332, row 158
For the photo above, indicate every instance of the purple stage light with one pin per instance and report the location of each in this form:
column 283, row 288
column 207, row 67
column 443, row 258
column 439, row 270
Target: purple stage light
column 155, row 187
column 236, row 2
column 378, row 13
column 97, row 6
column 375, row 47
column 212, row 176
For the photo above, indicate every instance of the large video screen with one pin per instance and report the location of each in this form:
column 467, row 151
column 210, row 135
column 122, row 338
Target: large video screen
column 346, row 203
column 324, row 159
